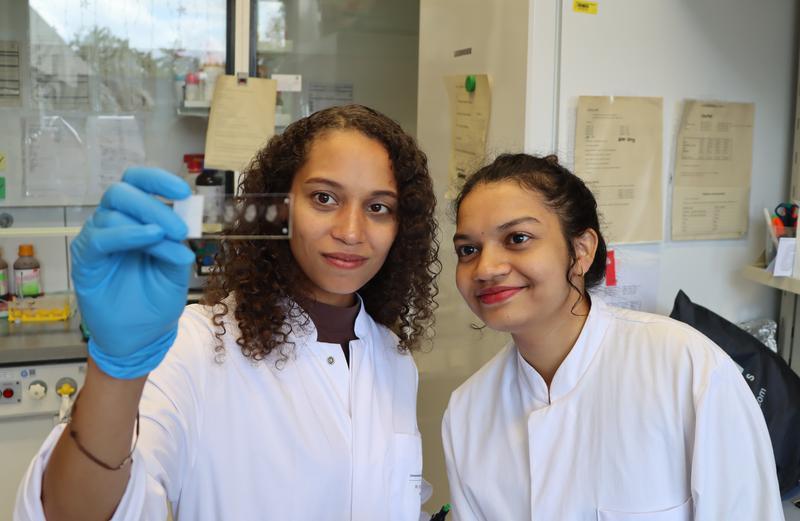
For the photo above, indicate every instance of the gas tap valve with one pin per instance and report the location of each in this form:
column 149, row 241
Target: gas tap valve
column 37, row 389
column 66, row 389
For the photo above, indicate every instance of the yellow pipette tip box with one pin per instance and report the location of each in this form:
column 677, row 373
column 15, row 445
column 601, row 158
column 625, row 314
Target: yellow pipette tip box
column 47, row 308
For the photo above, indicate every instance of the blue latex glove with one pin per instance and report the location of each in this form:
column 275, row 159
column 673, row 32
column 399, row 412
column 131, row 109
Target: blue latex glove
column 131, row 273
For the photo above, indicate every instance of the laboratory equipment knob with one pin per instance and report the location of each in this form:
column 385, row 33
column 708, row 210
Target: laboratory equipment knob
column 37, row 389
column 6, row 220
column 66, row 386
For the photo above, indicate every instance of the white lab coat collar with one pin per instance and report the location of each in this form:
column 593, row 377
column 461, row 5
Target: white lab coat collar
column 303, row 331
column 533, row 387
column 364, row 322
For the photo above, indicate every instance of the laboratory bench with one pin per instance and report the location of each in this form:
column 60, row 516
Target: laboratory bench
column 29, row 343
column 36, row 360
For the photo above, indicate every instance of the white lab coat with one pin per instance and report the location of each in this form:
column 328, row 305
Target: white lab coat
column 312, row 440
column 646, row 420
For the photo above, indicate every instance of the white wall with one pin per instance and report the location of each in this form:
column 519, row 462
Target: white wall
column 729, row 50
column 542, row 56
column 496, row 31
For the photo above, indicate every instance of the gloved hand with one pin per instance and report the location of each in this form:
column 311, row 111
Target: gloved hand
column 131, row 273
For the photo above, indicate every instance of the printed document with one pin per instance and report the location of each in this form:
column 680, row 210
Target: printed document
column 713, row 160
column 618, row 143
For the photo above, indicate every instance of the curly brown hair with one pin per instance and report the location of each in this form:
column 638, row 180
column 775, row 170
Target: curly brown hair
column 263, row 277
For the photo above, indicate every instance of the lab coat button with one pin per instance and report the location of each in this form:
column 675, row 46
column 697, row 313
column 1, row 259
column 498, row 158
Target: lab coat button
column 331, row 360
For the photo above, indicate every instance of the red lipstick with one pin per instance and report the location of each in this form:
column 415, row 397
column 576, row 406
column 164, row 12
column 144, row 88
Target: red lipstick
column 497, row 294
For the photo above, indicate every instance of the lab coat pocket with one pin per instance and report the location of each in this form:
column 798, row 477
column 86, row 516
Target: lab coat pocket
column 406, row 477
column 682, row 512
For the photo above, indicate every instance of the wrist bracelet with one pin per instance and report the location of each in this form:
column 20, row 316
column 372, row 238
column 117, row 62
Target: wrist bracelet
column 85, row 451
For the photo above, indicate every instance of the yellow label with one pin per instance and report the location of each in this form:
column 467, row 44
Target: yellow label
column 579, row 6
column 2, row 161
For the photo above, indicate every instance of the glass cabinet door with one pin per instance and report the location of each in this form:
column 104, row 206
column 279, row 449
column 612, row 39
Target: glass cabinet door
column 89, row 87
column 333, row 52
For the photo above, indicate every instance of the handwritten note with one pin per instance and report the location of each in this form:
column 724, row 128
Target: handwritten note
column 115, row 143
column 469, row 124
column 242, row 119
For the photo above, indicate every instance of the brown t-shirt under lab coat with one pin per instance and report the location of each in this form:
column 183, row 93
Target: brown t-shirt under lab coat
column 335, row 325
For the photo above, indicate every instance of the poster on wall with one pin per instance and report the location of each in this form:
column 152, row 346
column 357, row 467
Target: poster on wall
column 713, row 161
column 470, row 98
column 9, row 74
column 618, row 150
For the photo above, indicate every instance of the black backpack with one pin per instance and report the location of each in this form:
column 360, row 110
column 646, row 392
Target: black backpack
column 774, row 384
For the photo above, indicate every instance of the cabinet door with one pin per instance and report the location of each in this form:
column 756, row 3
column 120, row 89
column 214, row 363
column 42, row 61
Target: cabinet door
column 90, row 87
column 335, row 52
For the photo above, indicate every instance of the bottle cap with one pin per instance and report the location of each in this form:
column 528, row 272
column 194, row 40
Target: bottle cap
column 194, row 166
column 26, row 250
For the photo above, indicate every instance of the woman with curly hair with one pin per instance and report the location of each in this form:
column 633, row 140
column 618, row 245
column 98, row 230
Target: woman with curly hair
column 290, row 392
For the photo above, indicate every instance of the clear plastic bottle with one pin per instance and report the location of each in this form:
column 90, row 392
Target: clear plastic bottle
column 27, row 273
column 5, row 281
column 211, row 185
column 213, row 71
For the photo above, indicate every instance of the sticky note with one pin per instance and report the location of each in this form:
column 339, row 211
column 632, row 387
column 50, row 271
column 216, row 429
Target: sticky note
column 2, row 161
column 581, row 6
column 191, row 211
column 2, row 188
column 289, row 82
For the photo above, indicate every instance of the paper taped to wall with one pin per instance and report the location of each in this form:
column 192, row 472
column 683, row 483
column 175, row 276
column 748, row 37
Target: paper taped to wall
column 635, row 280
column 115, row 144
column 618, row 154
column 54, row 153
column 241, row 121
column 469, row 126
column 713, row 159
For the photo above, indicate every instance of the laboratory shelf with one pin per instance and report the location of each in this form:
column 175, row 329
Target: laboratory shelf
column 760, row 275
column 197, row 112
column 44, row 231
